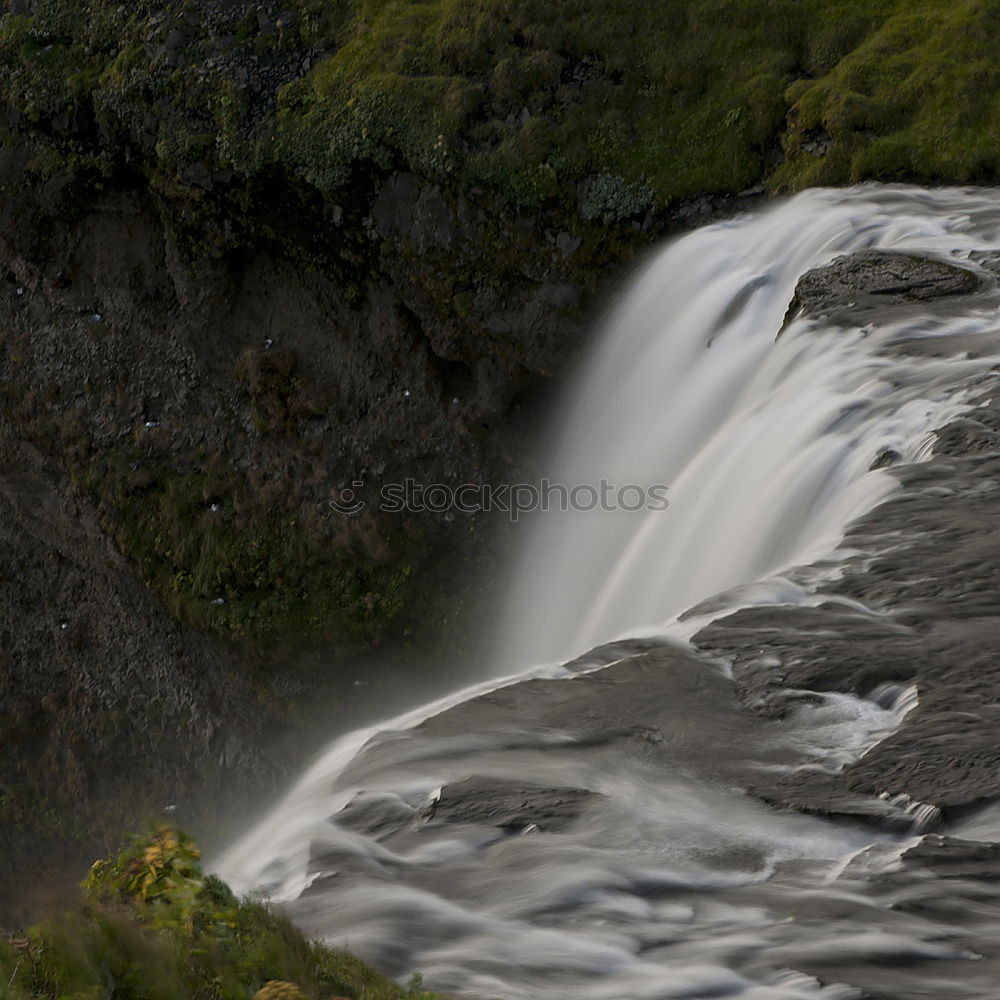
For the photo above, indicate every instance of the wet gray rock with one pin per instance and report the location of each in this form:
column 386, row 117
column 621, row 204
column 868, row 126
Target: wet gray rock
column 935, row 622
column 952, row 857
column 375, row 814
column 876, row 278
column 885, row 458
column 509, row 805
column 610, row 652
column 989, row 260
column 663, row 706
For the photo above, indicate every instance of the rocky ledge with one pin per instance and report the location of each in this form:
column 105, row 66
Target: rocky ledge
column 870, row 280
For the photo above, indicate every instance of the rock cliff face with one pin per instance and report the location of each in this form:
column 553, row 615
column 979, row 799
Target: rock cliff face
column 173, row 431
column 196, row 358
column 110, row 708
column 213, row 408
column 198, row 414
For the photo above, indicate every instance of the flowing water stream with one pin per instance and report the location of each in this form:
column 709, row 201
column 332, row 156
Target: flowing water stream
column 669, row 881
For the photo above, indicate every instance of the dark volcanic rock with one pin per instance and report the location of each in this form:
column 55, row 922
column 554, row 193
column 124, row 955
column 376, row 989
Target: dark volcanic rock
column 109, row 708
column 935, row 597
column 375, row 814
column 876, row 278
column 665, row 705
column 510, row 805
column 945, row 754
column 951, row 857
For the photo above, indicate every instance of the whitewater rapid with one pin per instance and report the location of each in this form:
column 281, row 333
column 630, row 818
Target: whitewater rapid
column 677, row 883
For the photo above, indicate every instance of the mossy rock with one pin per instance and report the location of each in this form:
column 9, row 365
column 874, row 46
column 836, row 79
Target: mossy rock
column 587, row 121
column 236, row 560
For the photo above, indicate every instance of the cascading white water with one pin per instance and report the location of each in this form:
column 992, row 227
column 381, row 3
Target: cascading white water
column 766, row 446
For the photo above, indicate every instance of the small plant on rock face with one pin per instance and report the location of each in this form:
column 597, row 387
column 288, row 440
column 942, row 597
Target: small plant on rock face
column 275, row 990
column 613, row 198
column 163, row 873
column 156, row 927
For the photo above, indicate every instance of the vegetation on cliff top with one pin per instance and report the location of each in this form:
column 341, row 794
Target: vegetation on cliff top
column 612, row 108
column 154, row 927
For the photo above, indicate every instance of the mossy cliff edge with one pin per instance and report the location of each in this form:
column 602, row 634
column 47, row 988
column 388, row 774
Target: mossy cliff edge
column 254, row 253
column 605, row 109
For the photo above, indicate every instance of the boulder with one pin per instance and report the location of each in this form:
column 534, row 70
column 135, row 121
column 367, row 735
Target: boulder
column 509, row 805
column 876, row 278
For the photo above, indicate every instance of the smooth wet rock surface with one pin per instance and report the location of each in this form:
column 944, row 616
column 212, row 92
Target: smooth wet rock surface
column 952, row 857
column 509, row 804
column 877, row 278
column 664, row 705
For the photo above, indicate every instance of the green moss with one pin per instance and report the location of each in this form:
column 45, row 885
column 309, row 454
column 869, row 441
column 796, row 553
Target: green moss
column 530, row 100
column 248, row 559
column 155, row 927
column 637, row 105
column 249, row 569
column 917, row 99
column 531, row 97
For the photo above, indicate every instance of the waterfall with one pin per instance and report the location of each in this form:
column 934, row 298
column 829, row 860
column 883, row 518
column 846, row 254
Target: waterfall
column 767, row 444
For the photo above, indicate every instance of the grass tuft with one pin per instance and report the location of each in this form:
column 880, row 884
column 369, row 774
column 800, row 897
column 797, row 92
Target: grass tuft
column 154, row 926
